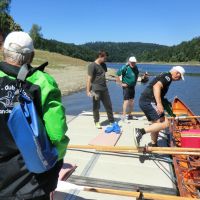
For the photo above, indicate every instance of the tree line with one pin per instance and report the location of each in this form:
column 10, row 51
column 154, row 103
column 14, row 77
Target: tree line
column 67, row 49
column 7, row 23
column 121, row 51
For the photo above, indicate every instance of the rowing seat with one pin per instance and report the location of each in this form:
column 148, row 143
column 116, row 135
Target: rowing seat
column 190, row 138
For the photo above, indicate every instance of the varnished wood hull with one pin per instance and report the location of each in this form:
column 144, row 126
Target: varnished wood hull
column 187, row 168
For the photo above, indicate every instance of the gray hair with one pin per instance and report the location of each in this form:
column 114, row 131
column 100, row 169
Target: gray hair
column 17, row 58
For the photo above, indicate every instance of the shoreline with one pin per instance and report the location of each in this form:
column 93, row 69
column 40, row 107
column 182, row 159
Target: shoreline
column 72, row 80
column 187, row 64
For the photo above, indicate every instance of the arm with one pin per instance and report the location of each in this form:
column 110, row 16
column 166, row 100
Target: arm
column 88, row 86
column 91, row 73
column 118, row 80
column 120, row 73
column 55, row 119
column 157, row 94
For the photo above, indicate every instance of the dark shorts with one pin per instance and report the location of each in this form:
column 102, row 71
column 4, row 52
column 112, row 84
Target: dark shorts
column 128, row 93
column 150, row 110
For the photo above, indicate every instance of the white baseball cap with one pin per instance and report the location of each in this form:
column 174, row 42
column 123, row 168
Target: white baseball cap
column 179, row 69
column 19, row 42
column 132, row 59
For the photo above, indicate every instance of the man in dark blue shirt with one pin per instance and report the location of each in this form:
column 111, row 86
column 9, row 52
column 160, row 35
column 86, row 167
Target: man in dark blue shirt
column 151, row 103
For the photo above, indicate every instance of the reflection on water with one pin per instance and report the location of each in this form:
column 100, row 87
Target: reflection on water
column 188, row 90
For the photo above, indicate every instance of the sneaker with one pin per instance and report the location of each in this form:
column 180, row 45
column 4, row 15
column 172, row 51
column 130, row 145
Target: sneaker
column 130, row 117
column 135, row 118
column 123, row 118
column 152, row 145
column 137, row 136
column 98, row 126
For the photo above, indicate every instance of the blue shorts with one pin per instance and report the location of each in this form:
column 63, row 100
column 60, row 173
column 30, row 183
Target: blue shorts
column 150, row 110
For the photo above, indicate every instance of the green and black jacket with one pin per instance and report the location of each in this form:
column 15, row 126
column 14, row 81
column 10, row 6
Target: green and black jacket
column 16, row 182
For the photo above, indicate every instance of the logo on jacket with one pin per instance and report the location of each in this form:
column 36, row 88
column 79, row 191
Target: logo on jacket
column 6, row 101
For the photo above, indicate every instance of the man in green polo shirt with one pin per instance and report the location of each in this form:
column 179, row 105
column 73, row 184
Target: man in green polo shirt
column 129, row 75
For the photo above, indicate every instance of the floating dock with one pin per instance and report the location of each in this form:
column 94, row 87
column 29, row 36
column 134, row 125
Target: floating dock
column 144, row 172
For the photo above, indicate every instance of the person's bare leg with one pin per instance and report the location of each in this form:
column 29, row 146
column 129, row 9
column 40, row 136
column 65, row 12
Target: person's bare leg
column 154, row 137
column 158, row 125
column 154, row 129
column 125, row 106
column 131, row 104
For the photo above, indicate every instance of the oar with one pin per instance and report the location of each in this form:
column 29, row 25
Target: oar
column 133, row 113
column 126, row 149
column 98, row 147
column 184, row 117
column 138, row 195
column 65, row 186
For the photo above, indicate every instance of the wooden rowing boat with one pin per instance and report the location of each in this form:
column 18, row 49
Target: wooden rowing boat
column 186, row 167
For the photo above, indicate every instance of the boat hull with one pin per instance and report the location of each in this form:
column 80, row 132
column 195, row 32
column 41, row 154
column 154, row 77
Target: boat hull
column 187, row 168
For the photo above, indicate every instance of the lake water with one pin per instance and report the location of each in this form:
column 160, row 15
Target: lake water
column 188, row 90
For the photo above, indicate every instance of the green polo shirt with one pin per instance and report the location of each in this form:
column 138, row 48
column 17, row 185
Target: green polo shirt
column 129, row 75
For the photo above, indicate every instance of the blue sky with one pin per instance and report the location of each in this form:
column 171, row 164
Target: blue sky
column 166, row 22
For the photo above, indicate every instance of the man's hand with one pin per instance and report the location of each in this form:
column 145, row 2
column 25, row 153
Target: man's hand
column 89, row 94
column 124, row 85
column 160, row 108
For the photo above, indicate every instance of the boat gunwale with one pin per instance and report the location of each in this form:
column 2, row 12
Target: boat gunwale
column 176, row 158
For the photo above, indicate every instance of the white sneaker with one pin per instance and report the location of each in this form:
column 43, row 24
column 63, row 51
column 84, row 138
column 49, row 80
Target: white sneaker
column 98, row 125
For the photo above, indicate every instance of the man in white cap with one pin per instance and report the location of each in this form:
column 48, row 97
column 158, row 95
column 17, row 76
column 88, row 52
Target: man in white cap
column 129, row 75
column 16, row 181
column 151, row 102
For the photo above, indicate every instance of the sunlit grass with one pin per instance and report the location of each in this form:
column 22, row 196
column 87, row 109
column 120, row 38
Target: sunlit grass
column 55, row 60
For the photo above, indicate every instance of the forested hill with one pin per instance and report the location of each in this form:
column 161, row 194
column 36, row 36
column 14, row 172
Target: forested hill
column 146, row 52
column 67, row 49
column 120, row 51
column 184, row 52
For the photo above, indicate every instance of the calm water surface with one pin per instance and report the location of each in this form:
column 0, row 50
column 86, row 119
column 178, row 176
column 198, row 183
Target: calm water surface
column 188, row 90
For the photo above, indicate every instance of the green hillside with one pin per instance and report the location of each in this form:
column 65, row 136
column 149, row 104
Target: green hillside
column 121, row 51
column 55, row 60
column 184, row 52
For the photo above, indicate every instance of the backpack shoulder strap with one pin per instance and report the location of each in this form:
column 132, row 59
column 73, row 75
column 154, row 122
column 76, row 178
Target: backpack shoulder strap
column 40, row 68
column 23, row 73
column 26, row 70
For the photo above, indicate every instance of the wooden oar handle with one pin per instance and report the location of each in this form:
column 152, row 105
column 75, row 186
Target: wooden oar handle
column 184, row 117
column 140, row 149
column 156, row 150
column 136, row 194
